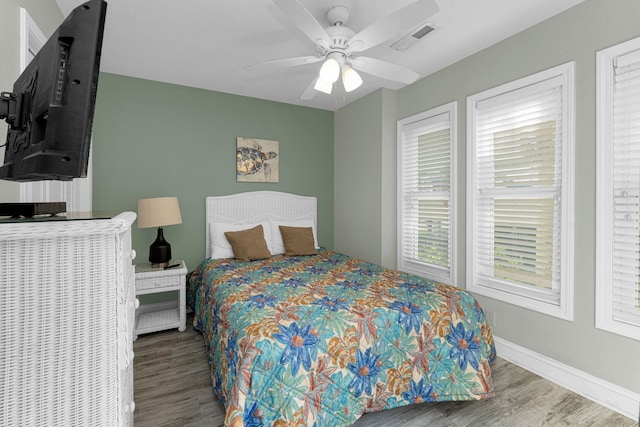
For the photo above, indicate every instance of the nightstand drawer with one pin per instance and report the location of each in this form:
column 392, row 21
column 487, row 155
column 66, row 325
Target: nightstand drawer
column 158, row 282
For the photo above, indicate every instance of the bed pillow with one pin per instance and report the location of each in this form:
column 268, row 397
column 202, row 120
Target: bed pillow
column 248, row 245
column 220, row 247
column 277, row 245
column 298, row 240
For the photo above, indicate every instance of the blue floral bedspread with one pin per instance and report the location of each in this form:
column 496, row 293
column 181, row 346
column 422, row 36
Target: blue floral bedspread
column 320, row 340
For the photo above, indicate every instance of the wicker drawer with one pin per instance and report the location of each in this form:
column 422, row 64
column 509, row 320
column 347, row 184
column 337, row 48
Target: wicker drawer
column 158, row 282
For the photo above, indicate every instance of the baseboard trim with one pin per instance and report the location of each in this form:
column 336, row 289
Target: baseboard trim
column 614, row 397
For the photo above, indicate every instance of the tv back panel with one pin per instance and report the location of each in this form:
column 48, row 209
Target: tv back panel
column 50, row 111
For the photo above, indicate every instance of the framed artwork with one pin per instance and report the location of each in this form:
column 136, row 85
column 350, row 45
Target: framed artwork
column 257, row 160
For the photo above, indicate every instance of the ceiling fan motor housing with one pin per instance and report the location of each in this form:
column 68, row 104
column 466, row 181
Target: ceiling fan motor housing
column 340, row 36
column 339, row 33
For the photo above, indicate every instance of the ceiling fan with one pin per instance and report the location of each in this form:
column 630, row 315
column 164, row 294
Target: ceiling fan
column 338, row 45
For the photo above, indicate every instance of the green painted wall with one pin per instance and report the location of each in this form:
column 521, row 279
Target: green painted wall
column 153, row 139
column 47, row 16
column 357, row 188
column 365, row 182
column 575, row 35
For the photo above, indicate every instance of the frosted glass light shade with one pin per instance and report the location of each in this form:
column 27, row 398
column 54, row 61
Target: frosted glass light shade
column 158, row 212
column 330, row 70
column 323, row 86
column 350, row 79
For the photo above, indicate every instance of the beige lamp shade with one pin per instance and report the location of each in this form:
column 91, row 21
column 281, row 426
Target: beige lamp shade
column 158, row 212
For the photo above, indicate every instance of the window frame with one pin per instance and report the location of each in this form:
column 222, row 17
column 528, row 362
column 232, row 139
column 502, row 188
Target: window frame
column 431, row 271
column 513, row 293
column 605, row 81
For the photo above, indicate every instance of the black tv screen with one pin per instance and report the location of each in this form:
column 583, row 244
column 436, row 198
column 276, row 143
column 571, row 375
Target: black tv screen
column 50, row 111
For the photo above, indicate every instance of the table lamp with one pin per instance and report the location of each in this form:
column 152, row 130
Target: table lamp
column 158, row 212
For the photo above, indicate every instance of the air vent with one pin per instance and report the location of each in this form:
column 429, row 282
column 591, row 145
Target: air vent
column 412, row 38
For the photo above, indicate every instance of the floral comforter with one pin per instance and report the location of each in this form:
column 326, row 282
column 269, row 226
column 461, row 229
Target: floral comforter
column 320, row 340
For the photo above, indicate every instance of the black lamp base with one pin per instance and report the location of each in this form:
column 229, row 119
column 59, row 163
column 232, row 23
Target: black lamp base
column 160, row 251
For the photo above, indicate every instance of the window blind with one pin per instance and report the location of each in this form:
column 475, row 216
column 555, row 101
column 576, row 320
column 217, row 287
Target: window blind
column 518, row 185
column 626, row 189
column 425, row 192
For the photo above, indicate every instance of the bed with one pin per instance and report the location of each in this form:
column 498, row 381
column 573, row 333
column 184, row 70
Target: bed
column 321, row 339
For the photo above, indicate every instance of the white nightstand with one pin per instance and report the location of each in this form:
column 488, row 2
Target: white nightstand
column 163, row 315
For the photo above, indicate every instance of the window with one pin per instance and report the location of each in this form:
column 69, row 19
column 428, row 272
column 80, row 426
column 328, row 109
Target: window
column 77, row 193
column 520, row 192
column 618, row 190
column 426, row 193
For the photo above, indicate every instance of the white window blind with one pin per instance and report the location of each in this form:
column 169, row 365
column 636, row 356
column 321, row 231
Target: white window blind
column 518, row 136
column 618, row 171
column 426, row 217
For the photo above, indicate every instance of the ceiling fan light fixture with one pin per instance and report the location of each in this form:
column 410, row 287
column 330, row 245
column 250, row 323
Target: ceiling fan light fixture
column 323, row 86
column 350, row 79
column 330, row 70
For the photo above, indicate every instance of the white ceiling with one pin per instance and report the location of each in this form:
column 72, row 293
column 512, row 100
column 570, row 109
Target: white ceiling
column 208, row 44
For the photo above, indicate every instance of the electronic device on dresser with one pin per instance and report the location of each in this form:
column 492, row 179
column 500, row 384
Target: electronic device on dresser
column 50, row 110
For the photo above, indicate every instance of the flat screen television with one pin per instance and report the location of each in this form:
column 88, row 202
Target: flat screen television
column 50, row 110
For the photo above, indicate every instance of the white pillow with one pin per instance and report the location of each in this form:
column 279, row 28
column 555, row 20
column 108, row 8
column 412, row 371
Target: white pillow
column 220, row 247
column 277, row 245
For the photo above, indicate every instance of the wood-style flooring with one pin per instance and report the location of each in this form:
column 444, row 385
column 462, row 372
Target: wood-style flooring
column 173, row 388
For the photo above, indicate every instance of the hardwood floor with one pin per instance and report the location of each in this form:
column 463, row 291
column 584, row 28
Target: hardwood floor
column 173, row 388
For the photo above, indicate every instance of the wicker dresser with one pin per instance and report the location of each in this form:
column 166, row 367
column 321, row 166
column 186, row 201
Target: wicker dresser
column 67, row 307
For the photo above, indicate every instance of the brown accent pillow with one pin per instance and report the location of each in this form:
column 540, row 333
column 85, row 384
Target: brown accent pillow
column 248, row 245
column 298, row 240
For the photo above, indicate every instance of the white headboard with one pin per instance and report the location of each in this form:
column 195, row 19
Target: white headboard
column 257, row 206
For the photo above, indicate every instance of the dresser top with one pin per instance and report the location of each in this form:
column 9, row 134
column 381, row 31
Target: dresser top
column 39, row 228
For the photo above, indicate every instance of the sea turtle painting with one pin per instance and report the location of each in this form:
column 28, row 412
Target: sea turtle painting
column 257, row 160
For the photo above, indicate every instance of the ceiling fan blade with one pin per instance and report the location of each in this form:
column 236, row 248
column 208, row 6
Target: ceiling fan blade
column 305, row 21
column 384, row 69
column 286, row 63
column 403, row 20
column 310, row 92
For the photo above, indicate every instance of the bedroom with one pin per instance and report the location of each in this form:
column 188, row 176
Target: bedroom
column 185, row 145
